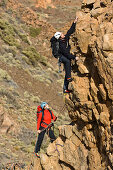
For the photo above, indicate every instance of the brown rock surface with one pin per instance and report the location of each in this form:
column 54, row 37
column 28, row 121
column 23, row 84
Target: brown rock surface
column 88, row 142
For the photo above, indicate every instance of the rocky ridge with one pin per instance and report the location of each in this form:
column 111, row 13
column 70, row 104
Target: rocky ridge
column 87, row 143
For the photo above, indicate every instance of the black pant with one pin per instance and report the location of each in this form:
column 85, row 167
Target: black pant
column 41, row 137
column 67, row 67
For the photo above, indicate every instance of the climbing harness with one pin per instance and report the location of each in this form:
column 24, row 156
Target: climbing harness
column 47, row 127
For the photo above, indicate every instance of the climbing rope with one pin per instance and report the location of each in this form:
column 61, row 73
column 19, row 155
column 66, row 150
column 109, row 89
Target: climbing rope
column 47, row 127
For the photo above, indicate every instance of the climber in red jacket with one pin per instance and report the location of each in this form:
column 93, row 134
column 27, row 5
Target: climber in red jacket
column 44, row 118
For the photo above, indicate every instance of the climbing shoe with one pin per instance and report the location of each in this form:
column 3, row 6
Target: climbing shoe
column 67, row 91
column 69, row 79
column 37, row 155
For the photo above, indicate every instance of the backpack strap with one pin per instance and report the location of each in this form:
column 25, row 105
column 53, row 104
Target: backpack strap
column 42, row 111
column 43, row 114
column 51, row 114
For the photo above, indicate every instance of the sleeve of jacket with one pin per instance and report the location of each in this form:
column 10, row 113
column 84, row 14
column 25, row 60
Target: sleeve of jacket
column 54, row 117
column 66, row 52
column 71, row 30
column 39, row 121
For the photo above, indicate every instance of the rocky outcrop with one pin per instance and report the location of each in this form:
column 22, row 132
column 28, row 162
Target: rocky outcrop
column 7, row 124
column 88, row 142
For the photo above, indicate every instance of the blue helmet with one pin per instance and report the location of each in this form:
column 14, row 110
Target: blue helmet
column 43, row 104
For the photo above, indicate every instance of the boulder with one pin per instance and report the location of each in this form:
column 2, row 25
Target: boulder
column 49, row 163
column 102, row 91
column 94, row 159
column 83, row 69
column 97, row 12
column 74, row 156
column 108, row 42
column 104, row 118
column 88, row 2
column 7, row 124
column 66, row 131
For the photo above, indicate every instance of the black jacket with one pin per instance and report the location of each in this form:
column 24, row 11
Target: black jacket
column 64, row 47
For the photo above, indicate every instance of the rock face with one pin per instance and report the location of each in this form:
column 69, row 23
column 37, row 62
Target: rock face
column 88, row 142
column 6, row 122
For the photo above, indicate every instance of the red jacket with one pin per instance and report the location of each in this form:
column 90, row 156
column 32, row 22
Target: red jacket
column 47, row 119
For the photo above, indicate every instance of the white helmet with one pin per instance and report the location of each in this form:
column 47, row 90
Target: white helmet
column 57, row 35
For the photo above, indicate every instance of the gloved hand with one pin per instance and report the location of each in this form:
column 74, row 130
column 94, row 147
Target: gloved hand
column 39, row 131
column 76, row 19
column 77, row 58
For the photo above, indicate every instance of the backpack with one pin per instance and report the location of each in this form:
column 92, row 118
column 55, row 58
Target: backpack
column 55, row 47
column 40, row 110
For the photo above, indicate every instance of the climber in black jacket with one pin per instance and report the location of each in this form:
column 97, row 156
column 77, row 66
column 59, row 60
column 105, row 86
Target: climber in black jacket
column 65, row 55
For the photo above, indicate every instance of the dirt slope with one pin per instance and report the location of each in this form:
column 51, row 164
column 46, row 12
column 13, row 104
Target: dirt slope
column 28, row 73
